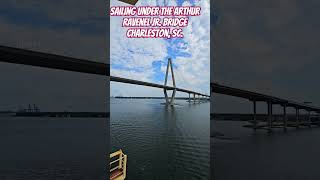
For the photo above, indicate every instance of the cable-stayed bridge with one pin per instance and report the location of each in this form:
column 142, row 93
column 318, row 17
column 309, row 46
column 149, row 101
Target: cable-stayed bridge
column 32, row 58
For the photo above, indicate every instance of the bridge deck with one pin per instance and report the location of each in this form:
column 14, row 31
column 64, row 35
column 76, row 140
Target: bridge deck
column 32, row 58
column 136, row 82
column 27, row 57
column 254, row 96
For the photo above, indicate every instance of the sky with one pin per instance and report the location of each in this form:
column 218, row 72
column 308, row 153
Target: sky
column 266, row 46
column 269, row 46
column 75, row 28
column 146, row 59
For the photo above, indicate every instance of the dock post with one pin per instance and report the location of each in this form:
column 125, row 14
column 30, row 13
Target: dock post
column 254, row 115
column 285, row 118
column 269, row 117
column 297, row 118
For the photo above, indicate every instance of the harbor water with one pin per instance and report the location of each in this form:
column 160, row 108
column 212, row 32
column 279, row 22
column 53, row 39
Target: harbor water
column 162, row 142
column 242, row 154
column 53, row 148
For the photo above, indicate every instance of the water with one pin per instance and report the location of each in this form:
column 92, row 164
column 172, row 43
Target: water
column 162, row 142
column 244, row 155
column 52, row 148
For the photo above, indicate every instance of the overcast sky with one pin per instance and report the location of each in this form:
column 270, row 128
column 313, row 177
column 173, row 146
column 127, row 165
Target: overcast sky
column 269, row 46
column 75, row 28
column 146, row 59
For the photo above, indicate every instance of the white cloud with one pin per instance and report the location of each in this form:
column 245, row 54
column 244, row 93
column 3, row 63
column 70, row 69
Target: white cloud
column 133, row 54
column 192, row 72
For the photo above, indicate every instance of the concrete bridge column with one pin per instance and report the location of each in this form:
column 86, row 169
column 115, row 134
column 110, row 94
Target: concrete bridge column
column 189, row 98
column 285, row 118
column 269, row 117
column 309, row 119
column 272, row 117
column 166, row 96
column 297, row 118
column 171, row 101
column 254, row 115
column 173, row 97
column 194, row 97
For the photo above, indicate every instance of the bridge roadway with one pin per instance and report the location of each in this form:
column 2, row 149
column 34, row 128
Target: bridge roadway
column 136, row 82
column 39, row 59
column 255, row 97
column 27, row 57
column 270, row 101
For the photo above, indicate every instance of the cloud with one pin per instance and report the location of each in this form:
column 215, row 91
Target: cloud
column 133, row 53
column 134, row 58
column 194, row 70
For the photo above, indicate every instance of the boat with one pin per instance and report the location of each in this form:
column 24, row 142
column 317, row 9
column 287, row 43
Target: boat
column 118, row 165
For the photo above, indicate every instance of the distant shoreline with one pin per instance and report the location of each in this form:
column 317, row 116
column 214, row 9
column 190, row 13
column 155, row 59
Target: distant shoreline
column 260, row 117
column 57, row 114
column 181, row 98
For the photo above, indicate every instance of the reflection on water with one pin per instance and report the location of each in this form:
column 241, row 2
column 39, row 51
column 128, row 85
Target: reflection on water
column 162, row 142
column 52, row 148
column 243, row 154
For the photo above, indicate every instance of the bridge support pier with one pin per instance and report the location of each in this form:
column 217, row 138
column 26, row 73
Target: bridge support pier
column 309, row 119
column 254, row 115
column 189, row 98
column 194, row 98
column 297, row 118
column 285, row 118
column 269, row 117
column 272, row 117
column 171, row 101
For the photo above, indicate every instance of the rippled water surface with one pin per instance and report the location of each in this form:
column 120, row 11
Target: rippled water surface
column 52, row 148
column 242, row 154
column 162, row 142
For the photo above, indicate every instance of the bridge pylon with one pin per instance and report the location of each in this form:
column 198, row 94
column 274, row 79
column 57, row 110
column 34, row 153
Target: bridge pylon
column 169, row 101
